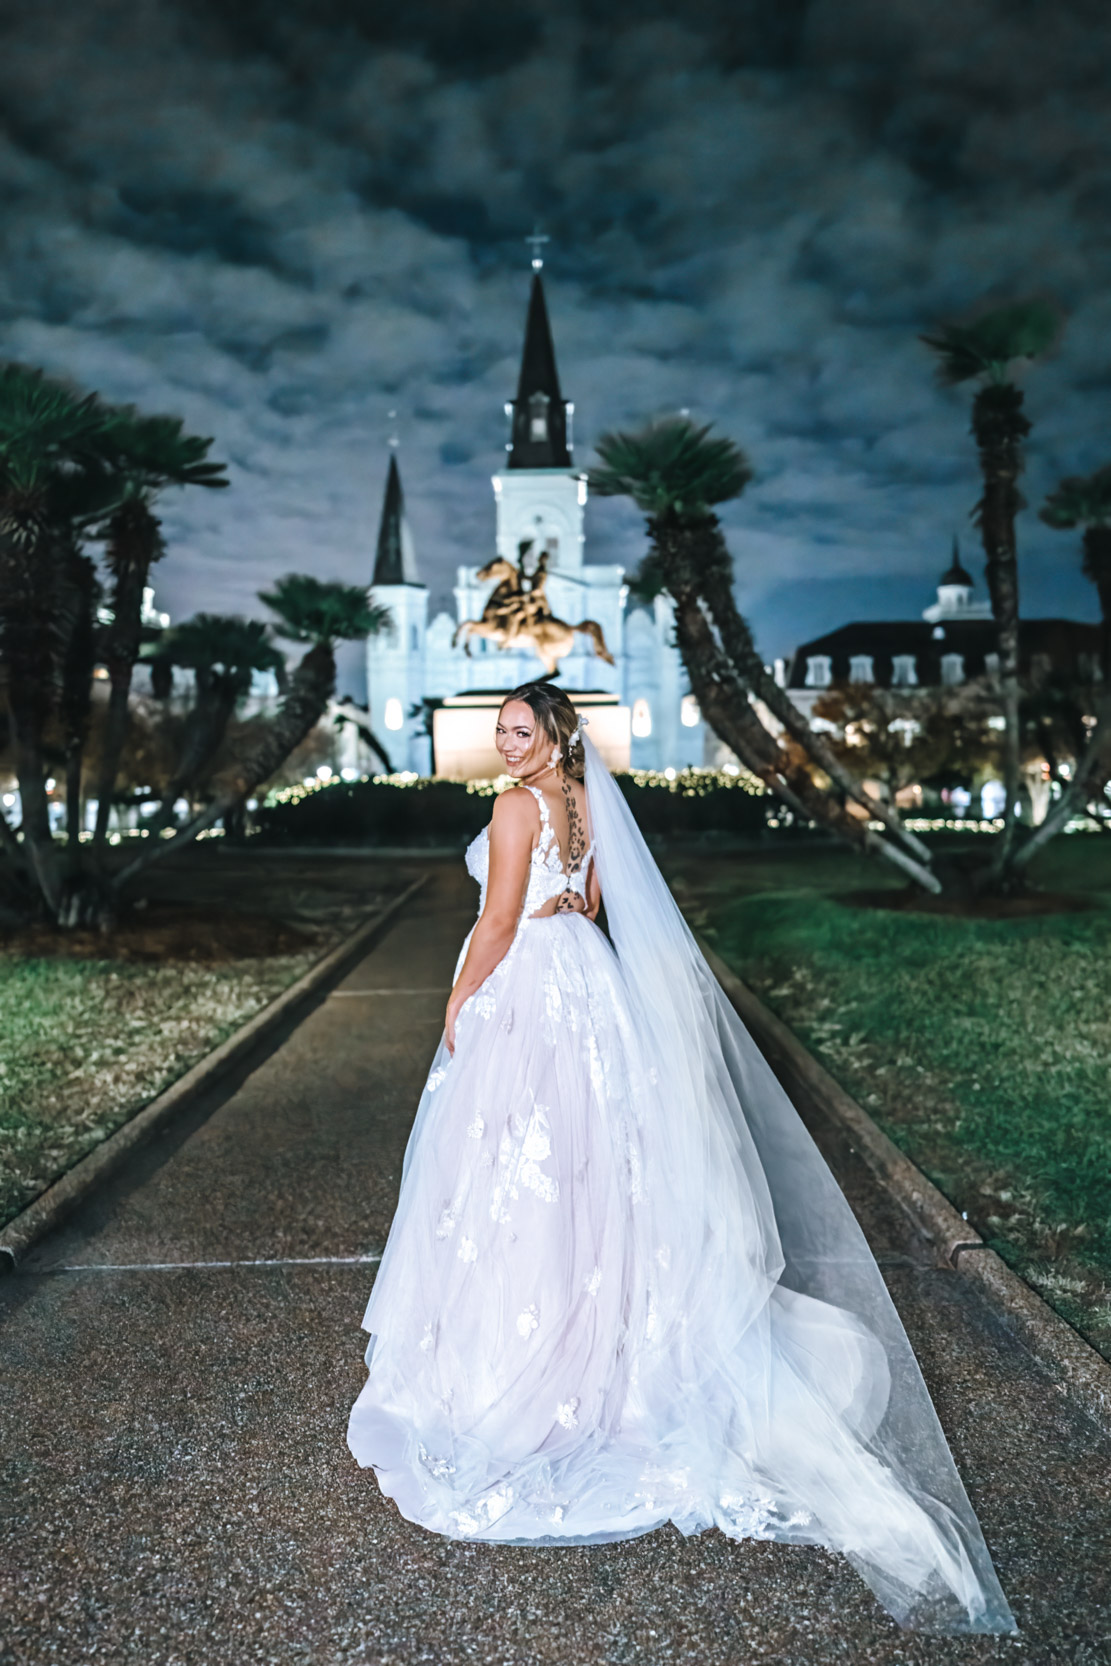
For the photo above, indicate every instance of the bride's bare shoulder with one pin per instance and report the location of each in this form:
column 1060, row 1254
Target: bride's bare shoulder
column 514, row 808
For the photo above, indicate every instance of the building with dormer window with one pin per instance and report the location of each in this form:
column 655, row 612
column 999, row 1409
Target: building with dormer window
column 952, row 643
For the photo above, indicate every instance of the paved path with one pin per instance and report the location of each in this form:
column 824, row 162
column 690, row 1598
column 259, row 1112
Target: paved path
column 177, row 1368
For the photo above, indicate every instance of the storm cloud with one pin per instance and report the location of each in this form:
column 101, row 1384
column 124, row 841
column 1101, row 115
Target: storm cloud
column 287, row 223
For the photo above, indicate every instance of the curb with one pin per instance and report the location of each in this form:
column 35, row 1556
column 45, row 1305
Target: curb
column 1076, row 1368
column 59, row 1200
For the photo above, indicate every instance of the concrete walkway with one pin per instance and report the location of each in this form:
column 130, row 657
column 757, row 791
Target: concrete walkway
column 178, row 1364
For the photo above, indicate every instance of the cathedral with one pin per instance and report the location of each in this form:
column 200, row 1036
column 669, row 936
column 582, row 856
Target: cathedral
column 425, row 678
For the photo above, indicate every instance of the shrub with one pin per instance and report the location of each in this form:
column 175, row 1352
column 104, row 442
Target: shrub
column 421, row 811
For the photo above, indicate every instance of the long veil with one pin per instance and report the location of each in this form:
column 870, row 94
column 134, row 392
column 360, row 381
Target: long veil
column 772, row 1306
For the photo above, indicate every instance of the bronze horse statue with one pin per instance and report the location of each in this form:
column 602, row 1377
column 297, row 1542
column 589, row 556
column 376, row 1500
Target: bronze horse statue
column 517, row 617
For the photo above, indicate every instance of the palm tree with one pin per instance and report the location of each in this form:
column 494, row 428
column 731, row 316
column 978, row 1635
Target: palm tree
column 222, row 651
column 311, row 611
column 150, row 454
column 53, row 481
column 675, row 472
column 1084, row 500
column 985, row 351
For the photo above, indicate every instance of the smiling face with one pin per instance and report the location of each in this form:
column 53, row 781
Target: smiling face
column 522, row 742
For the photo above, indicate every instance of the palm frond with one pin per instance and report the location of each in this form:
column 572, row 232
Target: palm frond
column 155, row 451
column 315, row 610
column 1080, row 500
column 671, row 468
column 224, row 641
column 992, row 342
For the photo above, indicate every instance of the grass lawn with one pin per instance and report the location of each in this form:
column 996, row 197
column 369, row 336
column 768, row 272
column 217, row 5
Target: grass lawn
column 92, row 1029
column 982, row 1047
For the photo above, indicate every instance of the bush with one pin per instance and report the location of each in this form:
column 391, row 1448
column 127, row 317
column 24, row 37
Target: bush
column 421, row 812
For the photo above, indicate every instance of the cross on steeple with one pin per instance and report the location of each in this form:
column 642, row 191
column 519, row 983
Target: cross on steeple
column 536, row 243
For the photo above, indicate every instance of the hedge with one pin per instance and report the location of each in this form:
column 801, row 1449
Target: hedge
column 422, row 811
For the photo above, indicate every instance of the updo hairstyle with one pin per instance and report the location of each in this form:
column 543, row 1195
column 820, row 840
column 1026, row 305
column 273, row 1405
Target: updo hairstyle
column 557, row 717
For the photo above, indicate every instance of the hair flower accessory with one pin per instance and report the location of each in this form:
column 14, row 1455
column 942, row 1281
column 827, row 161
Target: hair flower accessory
column 581, row 723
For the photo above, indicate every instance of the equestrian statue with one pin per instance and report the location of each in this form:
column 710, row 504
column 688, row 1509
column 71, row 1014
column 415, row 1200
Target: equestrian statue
column 517, row 614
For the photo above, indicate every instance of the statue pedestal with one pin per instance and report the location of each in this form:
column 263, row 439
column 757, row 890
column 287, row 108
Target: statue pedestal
column 463, row 732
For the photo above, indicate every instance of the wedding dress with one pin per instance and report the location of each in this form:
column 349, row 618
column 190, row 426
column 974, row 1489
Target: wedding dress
column 622, row 1288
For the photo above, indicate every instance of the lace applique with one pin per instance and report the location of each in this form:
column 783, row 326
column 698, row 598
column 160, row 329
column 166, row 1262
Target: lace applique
column 468, row 1250
column 440, row 1468
column 428, row 1340
column 435, row 1078
column 497, row 1503
column 446, row 1224
column 476, row 1127
column 523, row 1168
column 557, row 1514
column 636, row 1180
column 594, row 1283
column 484, row 1002
column 663, row 1256
column 567, row 1414
column 749, row 1518
column 527, row 1321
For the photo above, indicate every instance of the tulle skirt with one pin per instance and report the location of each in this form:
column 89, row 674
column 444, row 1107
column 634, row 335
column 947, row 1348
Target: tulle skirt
column 579, row 1330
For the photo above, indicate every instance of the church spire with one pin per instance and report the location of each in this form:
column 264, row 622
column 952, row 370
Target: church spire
column 538, row 416
column 396, row 560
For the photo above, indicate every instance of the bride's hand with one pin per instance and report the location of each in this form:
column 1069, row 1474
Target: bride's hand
column 453, row 1009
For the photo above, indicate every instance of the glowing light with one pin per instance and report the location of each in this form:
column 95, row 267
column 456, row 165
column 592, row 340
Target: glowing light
column 51, row 784
column 689, row 712
column 349, row 774
column 393, row 717
column 324, row 772
column 642, row 719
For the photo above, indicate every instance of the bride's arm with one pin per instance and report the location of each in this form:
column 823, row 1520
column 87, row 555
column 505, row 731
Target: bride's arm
column 511, row 835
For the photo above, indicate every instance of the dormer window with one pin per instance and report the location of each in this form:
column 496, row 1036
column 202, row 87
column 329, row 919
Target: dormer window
column 860, row 669
column 819, row 668
column 952, row 669
column 538, row 418
column 904, row 671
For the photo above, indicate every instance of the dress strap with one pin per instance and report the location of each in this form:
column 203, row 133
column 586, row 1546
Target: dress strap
column 545, row 818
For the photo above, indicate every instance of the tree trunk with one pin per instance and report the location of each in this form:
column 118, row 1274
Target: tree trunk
column 1097, row 567
column 30, row 578
column 716, row 582
column 725, row 703
column 999, row 427
column 78, row 664
column 134, row 544
column 306, row 699
column 205, row 729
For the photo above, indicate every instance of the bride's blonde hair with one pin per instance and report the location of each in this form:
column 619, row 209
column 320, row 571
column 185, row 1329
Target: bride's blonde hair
column 558, row 718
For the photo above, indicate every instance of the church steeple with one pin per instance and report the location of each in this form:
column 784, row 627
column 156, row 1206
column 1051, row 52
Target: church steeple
column 396, row 559
column 538, row 416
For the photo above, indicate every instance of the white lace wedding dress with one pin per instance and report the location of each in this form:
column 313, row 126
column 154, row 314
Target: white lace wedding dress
column 621, row 1287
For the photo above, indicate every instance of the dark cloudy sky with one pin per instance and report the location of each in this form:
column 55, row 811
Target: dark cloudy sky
column 284, row 220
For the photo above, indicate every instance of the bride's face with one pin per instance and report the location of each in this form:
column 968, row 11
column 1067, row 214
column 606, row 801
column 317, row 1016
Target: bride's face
column 524, row 746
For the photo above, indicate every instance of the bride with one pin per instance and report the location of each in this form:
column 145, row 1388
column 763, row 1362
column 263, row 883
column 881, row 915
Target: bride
column 621, row 1287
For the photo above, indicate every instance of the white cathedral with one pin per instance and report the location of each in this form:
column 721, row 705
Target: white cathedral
column 646, row 717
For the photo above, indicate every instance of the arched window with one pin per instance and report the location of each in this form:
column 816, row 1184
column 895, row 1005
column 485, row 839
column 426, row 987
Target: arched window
column 393, row 716
column 689, row 712
column 642, row 719
column 952, row 668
